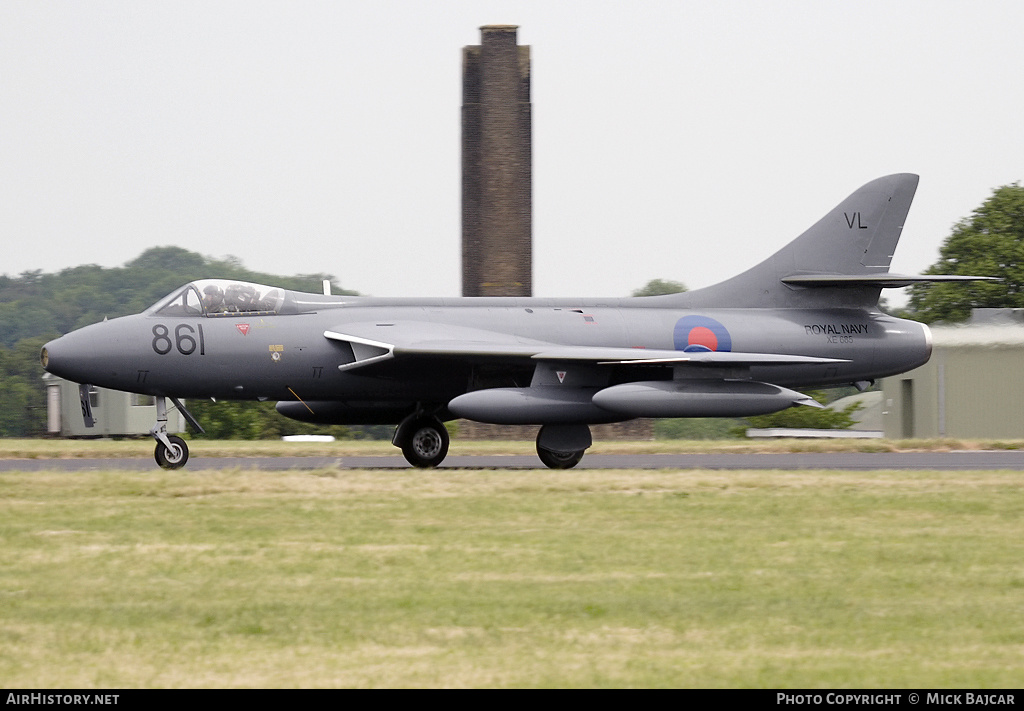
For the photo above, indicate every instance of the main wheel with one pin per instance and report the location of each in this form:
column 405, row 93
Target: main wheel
column 560, row 460
column 173, row 458
column 427, row 443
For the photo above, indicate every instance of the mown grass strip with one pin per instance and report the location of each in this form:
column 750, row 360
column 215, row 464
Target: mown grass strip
column 511, row 578
column 143, row 447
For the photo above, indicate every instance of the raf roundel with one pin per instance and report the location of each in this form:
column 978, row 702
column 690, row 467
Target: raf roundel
column 700, row 333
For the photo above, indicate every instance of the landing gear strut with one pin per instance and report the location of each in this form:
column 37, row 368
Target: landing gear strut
column 423, row 440
column 171, row 450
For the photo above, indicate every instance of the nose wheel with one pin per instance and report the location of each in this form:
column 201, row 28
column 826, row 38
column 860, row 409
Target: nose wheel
column 171, row 450
column 172, row 455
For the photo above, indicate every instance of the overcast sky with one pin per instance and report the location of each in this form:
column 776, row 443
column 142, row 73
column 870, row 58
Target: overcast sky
column 672, row 139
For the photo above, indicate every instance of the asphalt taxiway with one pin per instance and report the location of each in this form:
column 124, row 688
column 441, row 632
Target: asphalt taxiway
column 938, row 461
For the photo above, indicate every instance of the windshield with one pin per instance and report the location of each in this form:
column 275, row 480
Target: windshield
column 221, row 297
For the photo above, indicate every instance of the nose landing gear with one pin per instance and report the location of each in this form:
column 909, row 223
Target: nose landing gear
column 171, row 450
column 172, row 455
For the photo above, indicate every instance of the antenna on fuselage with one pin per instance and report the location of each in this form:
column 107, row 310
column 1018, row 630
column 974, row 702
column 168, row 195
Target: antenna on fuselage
column 327, row 287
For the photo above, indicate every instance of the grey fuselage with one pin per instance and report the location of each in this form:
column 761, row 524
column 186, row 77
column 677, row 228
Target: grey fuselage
column 285, row 356
column 806, row 316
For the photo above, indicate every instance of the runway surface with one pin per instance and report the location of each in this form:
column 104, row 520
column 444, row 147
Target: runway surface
column 942, row 461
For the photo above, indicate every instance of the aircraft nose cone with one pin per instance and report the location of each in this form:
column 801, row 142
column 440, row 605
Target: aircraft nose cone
column 100, row 354
column 65, row 358
column 51, row 358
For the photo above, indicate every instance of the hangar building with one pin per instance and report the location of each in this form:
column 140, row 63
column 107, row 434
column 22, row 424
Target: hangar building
column 972, row 387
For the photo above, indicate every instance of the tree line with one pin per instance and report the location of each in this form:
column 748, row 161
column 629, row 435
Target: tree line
column 36, row 307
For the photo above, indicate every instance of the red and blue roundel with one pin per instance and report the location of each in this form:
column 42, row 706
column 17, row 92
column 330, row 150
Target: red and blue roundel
column 700, row 333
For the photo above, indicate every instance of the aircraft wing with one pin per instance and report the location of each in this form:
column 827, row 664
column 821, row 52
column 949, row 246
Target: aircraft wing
column 377, row 342
column 646, row 356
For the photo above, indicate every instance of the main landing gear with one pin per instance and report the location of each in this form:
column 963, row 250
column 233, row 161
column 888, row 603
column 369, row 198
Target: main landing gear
column 563, row 446
column 423, row 440
column 559, row 460
column 171, row 450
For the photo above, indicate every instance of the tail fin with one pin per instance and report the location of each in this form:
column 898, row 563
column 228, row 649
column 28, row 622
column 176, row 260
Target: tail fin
column 841, row 261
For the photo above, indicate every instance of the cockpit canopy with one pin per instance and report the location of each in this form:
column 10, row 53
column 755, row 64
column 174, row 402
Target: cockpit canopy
column 222, row 297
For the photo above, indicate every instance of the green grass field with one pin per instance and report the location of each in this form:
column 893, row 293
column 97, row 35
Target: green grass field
column 460, row 578
column 143, row 447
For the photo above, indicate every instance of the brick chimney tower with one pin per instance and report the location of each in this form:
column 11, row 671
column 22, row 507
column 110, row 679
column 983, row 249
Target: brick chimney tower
column 497, row 173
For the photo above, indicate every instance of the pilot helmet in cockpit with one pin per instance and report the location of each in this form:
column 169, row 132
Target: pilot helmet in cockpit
column 213, row 298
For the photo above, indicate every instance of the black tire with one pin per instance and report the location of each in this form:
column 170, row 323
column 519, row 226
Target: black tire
column 560, row 460
column 173, row 458
column 427, row 443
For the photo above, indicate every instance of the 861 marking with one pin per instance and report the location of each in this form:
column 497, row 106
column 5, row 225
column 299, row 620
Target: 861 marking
column 184, row 339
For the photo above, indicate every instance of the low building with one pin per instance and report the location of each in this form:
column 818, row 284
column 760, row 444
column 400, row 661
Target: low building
column 972, row 386
column 115, row 413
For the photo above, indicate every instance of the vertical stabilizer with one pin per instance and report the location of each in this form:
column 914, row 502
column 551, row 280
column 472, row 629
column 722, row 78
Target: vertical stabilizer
column 857, row 238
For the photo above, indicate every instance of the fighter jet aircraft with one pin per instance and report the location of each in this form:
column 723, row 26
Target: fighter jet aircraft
column 806, row 316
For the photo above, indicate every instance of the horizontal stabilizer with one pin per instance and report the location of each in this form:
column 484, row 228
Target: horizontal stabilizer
column 884, row 281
